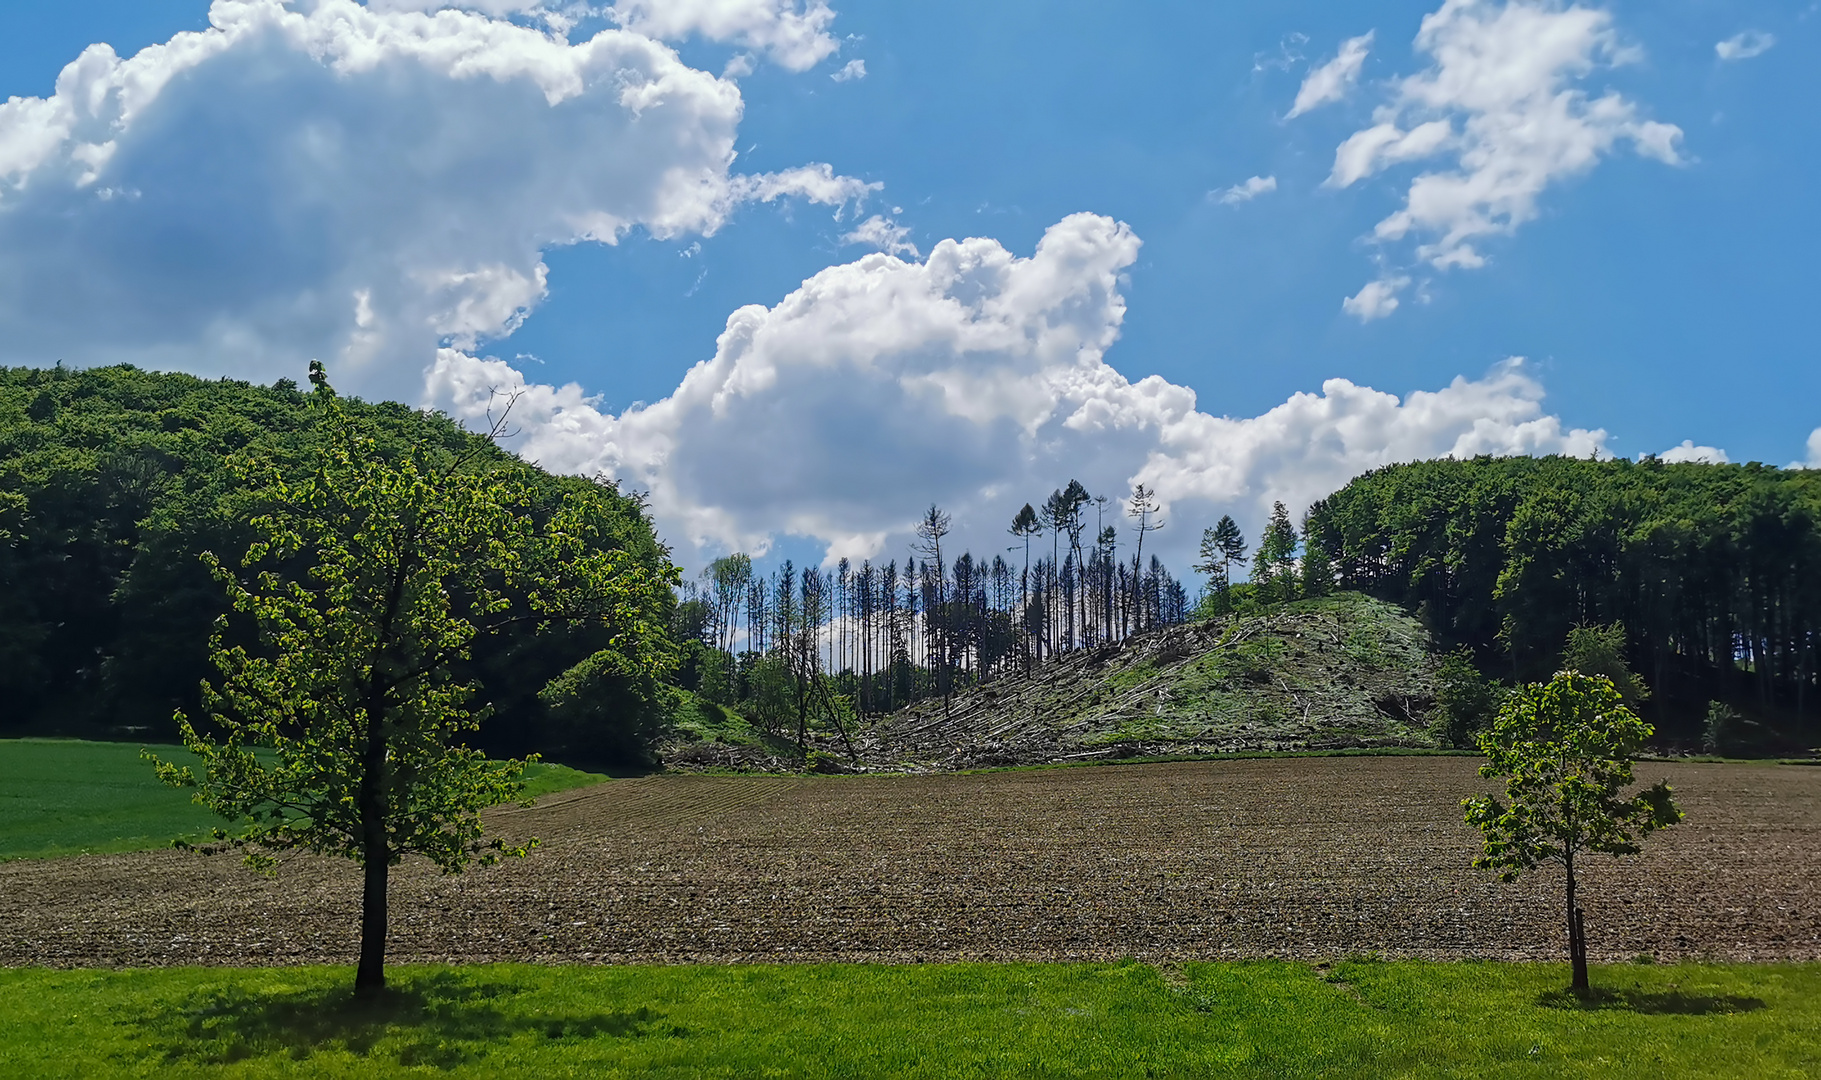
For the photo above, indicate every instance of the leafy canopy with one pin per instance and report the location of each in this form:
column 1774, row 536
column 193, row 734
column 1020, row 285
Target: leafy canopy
column 1600, row 650
column 109, row 496
column 341, row 732
column 1565, row 749
column 1466, row 701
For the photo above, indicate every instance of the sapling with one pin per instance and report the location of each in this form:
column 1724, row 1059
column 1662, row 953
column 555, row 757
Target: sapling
column 1565, row 749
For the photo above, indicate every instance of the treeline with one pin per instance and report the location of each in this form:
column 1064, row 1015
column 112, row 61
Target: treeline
column 1714, row 571
column 114, row 480
column 809, row 643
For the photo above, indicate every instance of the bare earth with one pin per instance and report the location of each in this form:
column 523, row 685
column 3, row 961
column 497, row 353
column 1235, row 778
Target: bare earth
column 1305, row 858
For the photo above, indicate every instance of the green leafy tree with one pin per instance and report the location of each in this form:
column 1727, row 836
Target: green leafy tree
column 1600, row 650
column 1466, row 701
column 1715, row 571
column 341, row 732
column 1565, row 748
column 1718, row 730
column 1317, row 570
column 110, row 496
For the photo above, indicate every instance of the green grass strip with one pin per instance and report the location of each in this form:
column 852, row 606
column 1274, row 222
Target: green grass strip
column 72, row 797
column 959, row 1020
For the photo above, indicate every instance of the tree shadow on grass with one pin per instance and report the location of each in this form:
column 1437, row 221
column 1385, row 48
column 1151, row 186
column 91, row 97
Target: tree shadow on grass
column 443, row 1020
column 1650, row 1003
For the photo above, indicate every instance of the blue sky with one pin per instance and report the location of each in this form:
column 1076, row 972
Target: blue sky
column 1656, row 289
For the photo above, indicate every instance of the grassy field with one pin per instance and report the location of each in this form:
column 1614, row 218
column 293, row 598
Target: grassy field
column 69, row 797
column 1118, row 1020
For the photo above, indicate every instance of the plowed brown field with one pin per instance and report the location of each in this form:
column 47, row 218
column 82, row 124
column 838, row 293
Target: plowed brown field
column 1309, row 857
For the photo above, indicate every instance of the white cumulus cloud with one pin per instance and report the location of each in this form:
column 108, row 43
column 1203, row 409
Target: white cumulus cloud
column 1375, row 299
column 883, row 233
column 1246, row 192
column 1501, row 102
column 853, row 69
column 1744, row 46
column 1334, row 79
column 792, row 33
column 360, row 185
column 1688, row 451
column 1814, row 452
column 976, row 379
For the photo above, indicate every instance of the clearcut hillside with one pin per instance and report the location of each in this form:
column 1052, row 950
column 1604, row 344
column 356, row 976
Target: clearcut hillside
column 1334, row 673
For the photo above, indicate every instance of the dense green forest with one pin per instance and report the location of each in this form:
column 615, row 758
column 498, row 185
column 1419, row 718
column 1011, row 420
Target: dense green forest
column 114, row 480
column 1713, row 570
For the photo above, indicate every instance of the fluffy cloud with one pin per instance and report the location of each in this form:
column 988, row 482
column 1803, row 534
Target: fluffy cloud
column 1688, row 451
column 1246, row 192
column 853, row 69
column 793, row 33
column 1375, row 299
column 883, row 233
column 1334, row 79
column 1314, row 443
column 976, row 379
column 1745, row 45
column 1814, row 452
column 1499, row 101
column 358, row 184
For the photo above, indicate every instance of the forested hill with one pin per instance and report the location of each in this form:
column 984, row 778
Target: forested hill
column 1715, row 570
column 112, row 480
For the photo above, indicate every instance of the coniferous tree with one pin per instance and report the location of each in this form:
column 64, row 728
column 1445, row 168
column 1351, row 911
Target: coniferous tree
column 1026, row 524
column 1317, row 570
column 1211, row 564
column 1274, row 564
column 1143, row 507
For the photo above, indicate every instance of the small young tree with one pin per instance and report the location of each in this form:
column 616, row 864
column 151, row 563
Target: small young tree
column 1564, row 748
column 1717, row 732
column 341, row 732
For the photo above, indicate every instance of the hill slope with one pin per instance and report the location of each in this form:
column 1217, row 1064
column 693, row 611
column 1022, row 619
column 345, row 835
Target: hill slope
column 113, row 480
column 1339, row 672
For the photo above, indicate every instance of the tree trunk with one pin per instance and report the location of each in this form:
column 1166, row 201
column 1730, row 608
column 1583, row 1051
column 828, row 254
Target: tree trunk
column 376, row 857
column 1577, row 940
column 370, row 976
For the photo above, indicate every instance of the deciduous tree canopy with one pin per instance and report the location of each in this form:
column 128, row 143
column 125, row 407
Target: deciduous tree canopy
column 1564, row 749
column 343, row 726
column 114, row 480
column 1714, row 570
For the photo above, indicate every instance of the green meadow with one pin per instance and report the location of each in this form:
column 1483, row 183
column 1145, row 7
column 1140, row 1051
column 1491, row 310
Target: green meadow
column 1359, row 1018
column 71, row 797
